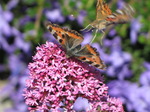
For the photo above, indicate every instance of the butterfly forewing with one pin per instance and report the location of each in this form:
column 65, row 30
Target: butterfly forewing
column 67, row 38
column 102, row 10
column 73, row 38
column 57, row 33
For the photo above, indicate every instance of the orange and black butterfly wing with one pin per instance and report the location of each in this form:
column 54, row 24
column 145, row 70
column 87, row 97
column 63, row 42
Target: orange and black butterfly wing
column 120, row 16
column 74, row 39
column 89, row 55
column 69, row 39
column 102, row 10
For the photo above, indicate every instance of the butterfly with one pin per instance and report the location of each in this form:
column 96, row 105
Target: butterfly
column 105, row 17
column 71, row 41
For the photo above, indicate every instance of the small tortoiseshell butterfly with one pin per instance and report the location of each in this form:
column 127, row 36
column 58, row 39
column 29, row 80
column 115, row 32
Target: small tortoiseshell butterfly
column 105, row 17
column 71, row 42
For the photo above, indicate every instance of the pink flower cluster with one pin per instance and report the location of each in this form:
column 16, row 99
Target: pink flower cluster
column 56, row 82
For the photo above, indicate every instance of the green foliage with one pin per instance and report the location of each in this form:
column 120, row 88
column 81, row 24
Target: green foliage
column 31, row 12
column 29, row 26
column 29, row 2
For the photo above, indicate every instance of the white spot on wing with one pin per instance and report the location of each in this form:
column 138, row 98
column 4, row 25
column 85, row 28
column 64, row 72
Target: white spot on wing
column 53, row 31
column 59, row 37
column 48, row 26
column 111, row 16
column 119, row 11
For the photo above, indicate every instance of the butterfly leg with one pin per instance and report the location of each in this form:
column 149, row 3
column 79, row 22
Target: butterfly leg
column 102, row 37
column 94, row 36
column 86, row 28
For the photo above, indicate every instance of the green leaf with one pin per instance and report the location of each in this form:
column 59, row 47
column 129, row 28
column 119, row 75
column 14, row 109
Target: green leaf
column 32, row 12
column 29, row 1
column 29, row 26
column 141, row 39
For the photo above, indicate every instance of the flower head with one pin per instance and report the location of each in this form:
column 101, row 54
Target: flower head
column 56, row 81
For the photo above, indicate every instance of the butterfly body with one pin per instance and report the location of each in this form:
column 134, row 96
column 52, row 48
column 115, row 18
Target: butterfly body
column 71, row 42
column 98, row 24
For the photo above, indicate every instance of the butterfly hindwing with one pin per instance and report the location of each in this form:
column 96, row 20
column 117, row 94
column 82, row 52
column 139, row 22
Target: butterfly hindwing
column 89, row 55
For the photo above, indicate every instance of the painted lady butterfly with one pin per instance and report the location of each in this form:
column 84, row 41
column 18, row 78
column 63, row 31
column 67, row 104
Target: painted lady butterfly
column 71, row 42
column 105, row 17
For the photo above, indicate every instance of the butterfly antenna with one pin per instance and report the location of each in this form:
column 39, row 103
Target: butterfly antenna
column 94, row 36
column 86, row 28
